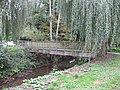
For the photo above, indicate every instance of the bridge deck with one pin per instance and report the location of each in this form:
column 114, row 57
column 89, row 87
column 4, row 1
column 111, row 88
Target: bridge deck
column 57, row 48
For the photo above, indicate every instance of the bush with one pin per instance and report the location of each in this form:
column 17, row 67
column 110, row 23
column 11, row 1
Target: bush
column 14, row 59
column 4, row 58
column 117, row 49
column 34, row 34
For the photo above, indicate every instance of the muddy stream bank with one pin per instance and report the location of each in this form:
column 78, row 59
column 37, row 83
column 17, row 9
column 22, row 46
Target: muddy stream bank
column 40, row 70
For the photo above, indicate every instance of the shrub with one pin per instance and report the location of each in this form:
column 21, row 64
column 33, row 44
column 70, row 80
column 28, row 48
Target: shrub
column 14, row 59
column 4, row 58
column 34, row 34
column 117, row 49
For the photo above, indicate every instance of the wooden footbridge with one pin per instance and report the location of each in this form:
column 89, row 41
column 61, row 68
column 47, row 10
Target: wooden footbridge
column 57, row 48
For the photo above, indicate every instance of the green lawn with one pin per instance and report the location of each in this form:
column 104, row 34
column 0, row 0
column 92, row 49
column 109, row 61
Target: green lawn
column 105, row 76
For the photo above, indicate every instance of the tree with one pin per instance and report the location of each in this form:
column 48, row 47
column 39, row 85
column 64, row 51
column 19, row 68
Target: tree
column 50, row 7
column 87, row 21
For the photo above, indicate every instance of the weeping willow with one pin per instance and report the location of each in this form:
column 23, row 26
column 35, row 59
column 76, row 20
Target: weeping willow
column 0, row 23
column 0, row 28
column 88, row 21
column 95, row 21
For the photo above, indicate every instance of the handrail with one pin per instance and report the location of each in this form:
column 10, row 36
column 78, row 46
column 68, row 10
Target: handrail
column 51, row 41
column 53, row 44
column 59, row 48
column 50, row 44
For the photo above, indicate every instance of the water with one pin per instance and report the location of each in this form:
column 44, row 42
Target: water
column 40, row 70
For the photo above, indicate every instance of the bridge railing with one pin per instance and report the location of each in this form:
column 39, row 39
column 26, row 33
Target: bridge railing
column 50, row 44
column 58, row 48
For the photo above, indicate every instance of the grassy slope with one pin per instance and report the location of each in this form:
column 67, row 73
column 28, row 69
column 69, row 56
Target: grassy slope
column 105, row 76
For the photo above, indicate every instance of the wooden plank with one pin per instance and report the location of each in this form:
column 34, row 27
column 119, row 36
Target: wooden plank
column 48, row 44
column 56, row 48
column 65, row 52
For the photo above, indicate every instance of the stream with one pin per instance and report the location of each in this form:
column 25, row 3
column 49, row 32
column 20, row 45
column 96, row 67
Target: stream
column 40, row 70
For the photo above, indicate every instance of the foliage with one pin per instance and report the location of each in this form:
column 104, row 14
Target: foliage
column 37, row 83
column 3, row 59
column 82, row 60
column 37, row 18
column 65, row 36
column 97, row 77
column 117, row 49
column 34, row 34
column 14, row 59
column 40, row 30
column 89, row 21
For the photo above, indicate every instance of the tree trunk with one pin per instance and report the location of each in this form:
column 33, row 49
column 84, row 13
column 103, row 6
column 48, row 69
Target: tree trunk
column 58, row 23
column 50, row 10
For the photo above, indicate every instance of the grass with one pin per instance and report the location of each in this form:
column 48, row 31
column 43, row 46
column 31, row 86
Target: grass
column 104, row 76
column 116, row 49
column 100, row 76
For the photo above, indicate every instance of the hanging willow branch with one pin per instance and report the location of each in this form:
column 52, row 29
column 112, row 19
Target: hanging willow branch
column 95, row 21
column 88, row 21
